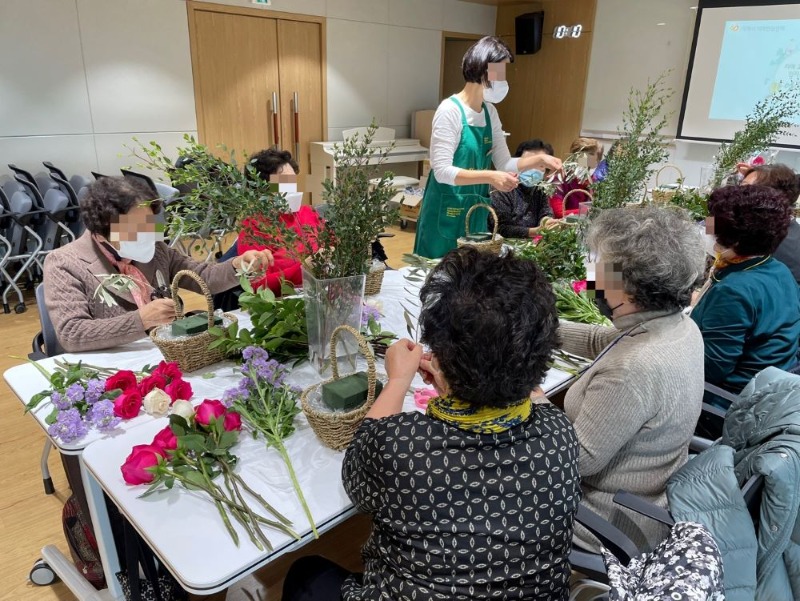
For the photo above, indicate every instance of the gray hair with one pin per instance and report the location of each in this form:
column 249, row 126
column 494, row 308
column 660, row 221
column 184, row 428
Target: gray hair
column 660, row 252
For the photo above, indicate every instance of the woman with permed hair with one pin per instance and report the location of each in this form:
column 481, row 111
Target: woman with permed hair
column 476, row 498
column 467, row 138
column 122, row 237
column 749, row 309
column 636, row 407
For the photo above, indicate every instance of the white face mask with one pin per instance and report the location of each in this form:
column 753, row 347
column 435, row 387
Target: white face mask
column 496, row 92
column 711, row 245
column 141, row 250
column 295, row 199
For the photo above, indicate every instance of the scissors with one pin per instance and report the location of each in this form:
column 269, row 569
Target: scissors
column 161, row 290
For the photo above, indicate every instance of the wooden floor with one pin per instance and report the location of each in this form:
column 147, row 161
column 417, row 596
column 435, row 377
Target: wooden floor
column 29, row 519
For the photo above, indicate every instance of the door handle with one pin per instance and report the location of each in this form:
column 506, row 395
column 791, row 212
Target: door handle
column 275, row 121
column 296, row 107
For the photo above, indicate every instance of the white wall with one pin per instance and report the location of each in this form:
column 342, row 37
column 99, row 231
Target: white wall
column 80, row 78
column 637, row 40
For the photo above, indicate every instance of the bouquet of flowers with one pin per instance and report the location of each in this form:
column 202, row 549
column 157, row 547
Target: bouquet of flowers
column 85, row 396
column 194, row 450
column 269, row 405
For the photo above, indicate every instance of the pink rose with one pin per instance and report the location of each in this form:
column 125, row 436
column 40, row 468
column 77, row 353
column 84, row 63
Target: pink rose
column 150, row 382
column 127, row 404
column 759, row 160
column 179, row 390
column 170, row 371
column 166, row 440
column 124, row 380
column 579, row 286
column 208, row 410
column 233, row 421
column 143, row 456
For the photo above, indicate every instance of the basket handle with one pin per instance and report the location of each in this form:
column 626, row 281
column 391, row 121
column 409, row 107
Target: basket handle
column 206, row 292
column 668, row 166
column 491, row 210
column 570, row 193
column 364, row 348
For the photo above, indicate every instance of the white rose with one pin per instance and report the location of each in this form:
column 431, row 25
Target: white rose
column 183, row 408
column 156, row 402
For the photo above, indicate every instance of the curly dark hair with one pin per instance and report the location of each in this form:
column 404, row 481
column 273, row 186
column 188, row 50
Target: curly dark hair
column 475, row 64
column 269, row 162
column 778, row 177
column 109, row 197
column 492, row 324
column 751, row 220
column 534, row 145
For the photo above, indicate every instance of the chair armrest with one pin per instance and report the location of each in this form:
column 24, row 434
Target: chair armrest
column 588, row 564
column 728, row 396
column 698, row 444
column 642, row 507
column 37, row 344
column 610, row 536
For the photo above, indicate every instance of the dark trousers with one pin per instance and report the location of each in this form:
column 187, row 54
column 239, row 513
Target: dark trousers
column 314, row 578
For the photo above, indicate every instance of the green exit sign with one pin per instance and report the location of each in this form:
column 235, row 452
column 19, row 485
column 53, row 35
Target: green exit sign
column 262, row 2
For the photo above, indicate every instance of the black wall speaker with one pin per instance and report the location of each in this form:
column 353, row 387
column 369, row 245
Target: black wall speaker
column 528, row 29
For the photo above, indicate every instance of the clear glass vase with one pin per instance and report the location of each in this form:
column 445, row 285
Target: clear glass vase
column 331, row 303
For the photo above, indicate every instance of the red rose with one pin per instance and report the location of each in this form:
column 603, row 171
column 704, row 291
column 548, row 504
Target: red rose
column 166, row 439
column 579, row 286
column 208, row 410
column 233, row 421
column 170, row 371
column 123, row 380
column 179, row 389
column 143, row 456
column 150, row 382
column 127, row 404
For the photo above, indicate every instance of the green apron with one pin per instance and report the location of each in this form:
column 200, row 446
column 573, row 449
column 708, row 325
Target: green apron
column 444, row 207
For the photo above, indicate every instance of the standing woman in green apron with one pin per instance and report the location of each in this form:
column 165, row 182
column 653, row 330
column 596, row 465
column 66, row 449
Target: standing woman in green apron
column 467, row 137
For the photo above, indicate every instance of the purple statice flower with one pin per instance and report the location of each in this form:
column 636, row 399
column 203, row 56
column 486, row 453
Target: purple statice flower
column 75, row 393
column 94, row 390
column 60, row 402
column 238, row 392
column 254, row 352
column 68, row 426
column 369, row 312
column 101, row 415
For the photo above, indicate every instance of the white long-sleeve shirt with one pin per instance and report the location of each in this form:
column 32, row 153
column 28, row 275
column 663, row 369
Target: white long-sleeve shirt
column 446, row 136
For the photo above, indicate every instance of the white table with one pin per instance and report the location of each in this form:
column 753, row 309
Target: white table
column 182, row 527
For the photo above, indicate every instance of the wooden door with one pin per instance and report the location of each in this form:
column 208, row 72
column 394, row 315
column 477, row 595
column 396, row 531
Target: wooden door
column 235, row 64
column 300, row 69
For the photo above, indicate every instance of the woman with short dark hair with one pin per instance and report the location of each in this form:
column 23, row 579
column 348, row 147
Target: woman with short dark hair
column 749, row 310
column 476, row 498
column 467, row 137
column 122, row 237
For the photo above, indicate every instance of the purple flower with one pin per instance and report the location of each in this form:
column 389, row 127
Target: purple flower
column 369, row 312
column 75, row 393
column 254, row 352
column 68, row 426
column 101, row 415
column 94, row 390
column 239, row 392
column 61, row 402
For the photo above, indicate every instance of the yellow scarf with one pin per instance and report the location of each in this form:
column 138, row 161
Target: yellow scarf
column 481, row 420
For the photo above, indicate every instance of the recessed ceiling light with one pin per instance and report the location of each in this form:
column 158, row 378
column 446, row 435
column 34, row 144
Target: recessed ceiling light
column 661, row 24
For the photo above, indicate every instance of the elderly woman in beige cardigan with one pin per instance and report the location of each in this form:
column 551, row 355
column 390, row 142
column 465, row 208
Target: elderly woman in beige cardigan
column 121, row 238
column 636, row 407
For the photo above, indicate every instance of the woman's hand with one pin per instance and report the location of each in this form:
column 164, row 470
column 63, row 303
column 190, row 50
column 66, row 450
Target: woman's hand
column 258, row 260
column 157, row 312
column 503, row 181
column 432, row 375
column 545, row 162
column 402, row 361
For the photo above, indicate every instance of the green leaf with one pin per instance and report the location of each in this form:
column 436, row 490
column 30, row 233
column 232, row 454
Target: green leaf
column 209, row 375
column 36, row 399
column 194, row 480
column 178, row 425
column 192, row 442
column 51, row 418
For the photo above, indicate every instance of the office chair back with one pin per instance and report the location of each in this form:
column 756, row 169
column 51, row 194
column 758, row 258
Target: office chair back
column 45, row 342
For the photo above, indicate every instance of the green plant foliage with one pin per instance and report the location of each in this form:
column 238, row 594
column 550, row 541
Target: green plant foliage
column 640, row 146
column 691, row 200
column 577, row 306
column 558, row 253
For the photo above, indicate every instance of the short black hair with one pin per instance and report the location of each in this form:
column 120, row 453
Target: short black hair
column 534, row 145
column 475, row 64
column 778, row 177
column 491, row 322
column 752, row 220
column 109, row 197
column 268, row 162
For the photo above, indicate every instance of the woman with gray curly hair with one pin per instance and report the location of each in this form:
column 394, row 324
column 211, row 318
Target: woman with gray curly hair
column 635, row 409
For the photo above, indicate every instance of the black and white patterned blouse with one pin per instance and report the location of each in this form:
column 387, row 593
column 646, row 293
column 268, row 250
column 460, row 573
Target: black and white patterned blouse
column 459, row 515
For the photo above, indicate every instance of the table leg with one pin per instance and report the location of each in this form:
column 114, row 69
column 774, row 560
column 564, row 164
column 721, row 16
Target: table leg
column 102, row 532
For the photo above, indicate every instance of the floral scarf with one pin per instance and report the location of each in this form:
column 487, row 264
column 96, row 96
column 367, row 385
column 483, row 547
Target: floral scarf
column 481, row 420
column 141, row 291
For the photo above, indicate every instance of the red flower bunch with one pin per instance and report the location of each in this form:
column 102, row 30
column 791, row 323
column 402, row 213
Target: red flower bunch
column 166, row 376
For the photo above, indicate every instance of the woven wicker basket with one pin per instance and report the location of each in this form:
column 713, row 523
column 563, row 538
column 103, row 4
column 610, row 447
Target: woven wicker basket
column 374, row 280
column 489, row 246
column 660, row 196
column 336, row 429
column 192, row 352
column 586, row 193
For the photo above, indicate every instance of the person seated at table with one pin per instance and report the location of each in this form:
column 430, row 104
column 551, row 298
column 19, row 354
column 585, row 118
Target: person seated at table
column 636, row 407
column 520, row 211
column 122, row 237
column 588, row 152
column 749, row 309
column 787, row 182
column 475, row 498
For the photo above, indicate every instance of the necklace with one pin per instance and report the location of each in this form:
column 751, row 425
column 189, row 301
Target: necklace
column 761, row 262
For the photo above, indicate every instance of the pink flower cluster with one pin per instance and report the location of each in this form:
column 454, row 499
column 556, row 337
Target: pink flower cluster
column 166, row 376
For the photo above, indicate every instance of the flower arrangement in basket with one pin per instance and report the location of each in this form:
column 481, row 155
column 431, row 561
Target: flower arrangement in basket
column 336, row 428
column 493, row 244
column 664, row 194
column 193, row 351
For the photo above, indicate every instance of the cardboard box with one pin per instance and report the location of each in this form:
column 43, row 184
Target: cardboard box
column 410, row 206
column 426, row 168
column 422, row 126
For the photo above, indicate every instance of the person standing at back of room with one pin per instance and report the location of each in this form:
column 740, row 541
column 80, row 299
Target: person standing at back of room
column 467, row 138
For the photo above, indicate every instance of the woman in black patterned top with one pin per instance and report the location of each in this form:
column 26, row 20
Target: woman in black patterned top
column 475, row 499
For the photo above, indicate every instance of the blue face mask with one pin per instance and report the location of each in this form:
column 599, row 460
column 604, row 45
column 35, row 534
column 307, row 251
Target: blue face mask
column 531, row 177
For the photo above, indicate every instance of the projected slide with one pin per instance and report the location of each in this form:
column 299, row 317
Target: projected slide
column 756, row 59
